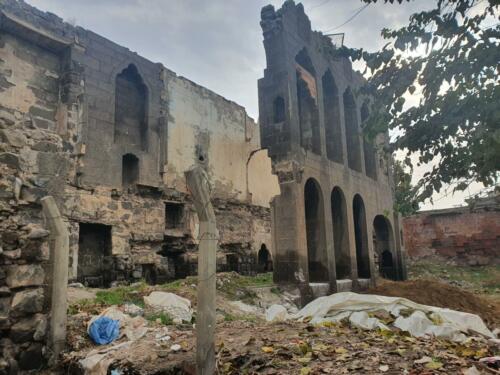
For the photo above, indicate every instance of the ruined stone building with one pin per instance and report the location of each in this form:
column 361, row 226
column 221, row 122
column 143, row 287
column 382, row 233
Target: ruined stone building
column 110, row 134
column 334, row 222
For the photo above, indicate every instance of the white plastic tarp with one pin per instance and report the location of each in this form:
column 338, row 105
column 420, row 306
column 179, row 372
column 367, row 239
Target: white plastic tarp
column 443, row 323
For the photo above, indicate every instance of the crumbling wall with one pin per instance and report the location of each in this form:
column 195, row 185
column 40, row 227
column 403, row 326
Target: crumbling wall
column 34, row 162
column 462, row 235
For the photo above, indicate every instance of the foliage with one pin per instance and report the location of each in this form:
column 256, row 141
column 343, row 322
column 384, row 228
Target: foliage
column 450, row 55
column 163, row 317
column 406, row 202
column 122, row 294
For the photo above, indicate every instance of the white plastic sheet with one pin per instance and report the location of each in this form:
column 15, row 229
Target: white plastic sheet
column 424, row 320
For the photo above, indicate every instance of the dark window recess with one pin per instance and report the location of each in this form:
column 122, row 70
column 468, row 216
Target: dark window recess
column 130, row 109
column 174, row 215
column 95, row 264
column 130, row 171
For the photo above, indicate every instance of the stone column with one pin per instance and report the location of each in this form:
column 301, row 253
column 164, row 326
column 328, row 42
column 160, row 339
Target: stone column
column 58, row 277
column 197, row 181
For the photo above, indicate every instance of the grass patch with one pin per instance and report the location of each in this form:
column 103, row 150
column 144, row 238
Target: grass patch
column 122, row 294
column 236, row 286
column 163, row 317
column 81, row 305
column 483, row 278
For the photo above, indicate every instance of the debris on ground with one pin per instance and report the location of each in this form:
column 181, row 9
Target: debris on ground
column 439, row 294
column 247, row 343
column 178, row 308
column 416, row 319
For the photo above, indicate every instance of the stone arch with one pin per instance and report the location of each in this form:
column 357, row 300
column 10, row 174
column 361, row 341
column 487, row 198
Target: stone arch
column 279, row 112
column 307, row 99
column 264, row 259
column 383, row 245
column 131, row 108
column 315, row 232
column 130, row 171
column 368, row 149
column 340, row 234
column 361, row 237
column 331, row 107
column 352, row 131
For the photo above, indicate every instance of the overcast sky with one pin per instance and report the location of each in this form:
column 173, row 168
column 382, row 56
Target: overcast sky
column 218, row 43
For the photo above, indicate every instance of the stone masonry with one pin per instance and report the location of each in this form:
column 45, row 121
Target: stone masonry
column 334, row 225
column 109, row 135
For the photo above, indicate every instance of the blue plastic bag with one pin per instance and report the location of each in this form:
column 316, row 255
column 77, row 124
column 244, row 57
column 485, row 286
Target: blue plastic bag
column 104, row 330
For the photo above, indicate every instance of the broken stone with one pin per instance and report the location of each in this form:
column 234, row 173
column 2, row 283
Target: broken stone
column 32, row 194
column 26, row 329
column 25, row 275
column 9, row 159
column 4, row 291
column 36, row 232
column 12, row 254
column 27, row 302
column 12, row 137
column 176, row 307
column 276, row 313
column 7, row 118
column 133, row 310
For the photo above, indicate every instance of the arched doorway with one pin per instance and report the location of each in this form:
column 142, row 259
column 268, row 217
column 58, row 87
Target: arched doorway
column 315, row 231
column 361, row 236
column 265, row 262
column 383, row 244
column 340, row 234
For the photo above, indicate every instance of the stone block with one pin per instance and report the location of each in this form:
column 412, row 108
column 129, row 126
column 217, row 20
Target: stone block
column 27, row 302
column 12, row 137
column 29, row 328
column 31, row 358
column 25, row 275
column 9, row 159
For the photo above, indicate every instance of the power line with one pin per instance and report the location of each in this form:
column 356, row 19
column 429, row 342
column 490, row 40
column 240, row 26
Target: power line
column 358, row 11
column 319, row 5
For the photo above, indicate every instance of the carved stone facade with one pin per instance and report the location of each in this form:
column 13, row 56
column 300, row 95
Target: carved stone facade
column 333, row 223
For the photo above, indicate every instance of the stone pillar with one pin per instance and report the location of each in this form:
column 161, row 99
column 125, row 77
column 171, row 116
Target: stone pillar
column 197, row 182
column 58, row 277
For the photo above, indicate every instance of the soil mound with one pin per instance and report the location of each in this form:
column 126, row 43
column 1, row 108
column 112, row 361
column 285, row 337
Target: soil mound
column 435, row 293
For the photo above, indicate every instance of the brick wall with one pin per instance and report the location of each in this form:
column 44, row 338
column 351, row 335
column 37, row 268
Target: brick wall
column 467, row 236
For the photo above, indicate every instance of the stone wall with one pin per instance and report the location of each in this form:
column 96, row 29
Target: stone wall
column 465, row 236
column 115, row 171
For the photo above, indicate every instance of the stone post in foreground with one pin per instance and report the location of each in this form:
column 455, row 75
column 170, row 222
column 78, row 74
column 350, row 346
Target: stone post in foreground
column 58, row 277
column 197, row 182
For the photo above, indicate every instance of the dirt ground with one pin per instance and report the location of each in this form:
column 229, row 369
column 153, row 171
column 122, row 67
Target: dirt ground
column 440, row 294
column 246, row 344
column 298, row 348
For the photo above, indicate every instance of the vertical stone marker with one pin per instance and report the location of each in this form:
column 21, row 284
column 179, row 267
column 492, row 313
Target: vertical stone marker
column 198, row 185
column 58, row 282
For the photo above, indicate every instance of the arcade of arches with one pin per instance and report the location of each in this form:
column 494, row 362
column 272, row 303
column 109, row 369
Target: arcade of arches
column 333, row 221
